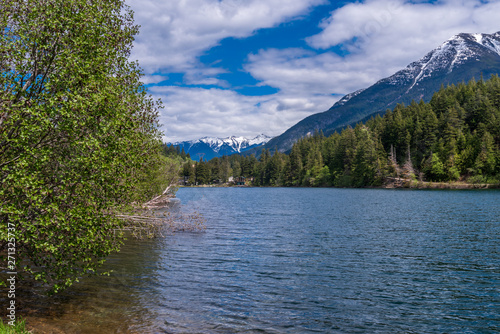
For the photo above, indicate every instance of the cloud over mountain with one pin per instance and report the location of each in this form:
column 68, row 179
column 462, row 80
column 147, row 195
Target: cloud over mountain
column 303, row 55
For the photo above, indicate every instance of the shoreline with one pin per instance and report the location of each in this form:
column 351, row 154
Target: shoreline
column 399, row 183
column 396, row 184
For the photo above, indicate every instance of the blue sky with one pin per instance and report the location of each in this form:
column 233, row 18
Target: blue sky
column 245, row 67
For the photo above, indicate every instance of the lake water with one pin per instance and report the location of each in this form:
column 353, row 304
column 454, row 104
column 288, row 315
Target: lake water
column 286, row 260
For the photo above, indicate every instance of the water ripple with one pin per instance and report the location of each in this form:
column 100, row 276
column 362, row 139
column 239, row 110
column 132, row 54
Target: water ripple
column 314, row 261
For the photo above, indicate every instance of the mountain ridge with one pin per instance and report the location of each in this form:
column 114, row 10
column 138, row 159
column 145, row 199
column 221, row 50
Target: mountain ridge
column 459, row 59
column 212, row 147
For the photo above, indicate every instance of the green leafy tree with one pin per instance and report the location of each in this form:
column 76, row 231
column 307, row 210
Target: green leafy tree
column 78, row 132
column 274, row 168
column 364, row 164
column 202, row 173
column 486, row 160
column 294, row 167
column 188, row 171
column 435, row 169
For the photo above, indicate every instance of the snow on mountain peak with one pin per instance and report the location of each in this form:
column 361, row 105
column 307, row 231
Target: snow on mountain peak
column 259, row 140
column 348, row 97
column 492, row 43
column 455, row 51
column 489, row 41
column 478, row 37
column 235, row 143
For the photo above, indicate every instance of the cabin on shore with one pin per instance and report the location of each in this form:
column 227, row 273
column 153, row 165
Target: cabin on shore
column 238, row 181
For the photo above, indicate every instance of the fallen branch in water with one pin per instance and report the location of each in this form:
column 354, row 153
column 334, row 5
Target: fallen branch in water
column 160, row 200
column 152, row 223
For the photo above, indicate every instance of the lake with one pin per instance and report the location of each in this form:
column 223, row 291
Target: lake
column 301, row 260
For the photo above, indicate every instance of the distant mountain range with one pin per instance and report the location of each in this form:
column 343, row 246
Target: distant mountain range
column 208, row 148
column 459, row 59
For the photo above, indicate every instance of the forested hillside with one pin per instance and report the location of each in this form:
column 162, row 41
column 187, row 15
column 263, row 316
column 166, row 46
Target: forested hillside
column 456, row 136
column 459, row 59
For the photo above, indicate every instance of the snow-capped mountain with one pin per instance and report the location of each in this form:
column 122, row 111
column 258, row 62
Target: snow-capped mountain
column 211, row 147
column 349, row 96
column 454, row 53
column 459, row 59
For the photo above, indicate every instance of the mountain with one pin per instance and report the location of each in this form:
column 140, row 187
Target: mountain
column 459, row 59
column 211, row 147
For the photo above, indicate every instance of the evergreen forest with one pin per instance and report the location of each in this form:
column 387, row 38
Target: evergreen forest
column 454, row 137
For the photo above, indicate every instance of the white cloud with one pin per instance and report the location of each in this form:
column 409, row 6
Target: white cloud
column 391, row 33
column 172, row 37
column 153, row 79
column 174, row 33
column 380, row 36
column 191, row 113
column 309, row 74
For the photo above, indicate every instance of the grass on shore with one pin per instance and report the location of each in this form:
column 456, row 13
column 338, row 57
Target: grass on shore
column 18, row 328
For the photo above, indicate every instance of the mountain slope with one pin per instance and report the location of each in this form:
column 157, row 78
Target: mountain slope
column 461, row 58
column 211, row 147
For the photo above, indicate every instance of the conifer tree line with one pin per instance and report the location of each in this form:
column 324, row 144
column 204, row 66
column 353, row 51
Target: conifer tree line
column 174, row 151
column 454, row 137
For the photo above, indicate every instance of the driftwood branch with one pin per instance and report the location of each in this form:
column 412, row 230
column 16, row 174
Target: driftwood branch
column 160, row 200
column 151, row 226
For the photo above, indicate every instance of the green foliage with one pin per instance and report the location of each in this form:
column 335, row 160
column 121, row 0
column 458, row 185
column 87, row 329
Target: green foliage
column 454, row 137
column 202, row 174
column 163, row 172
column 434, row 169
column 78, row 133
column 174, row 151
column 18, row 328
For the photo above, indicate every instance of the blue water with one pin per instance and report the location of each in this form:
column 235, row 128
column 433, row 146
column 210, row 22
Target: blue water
column 276, row 260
